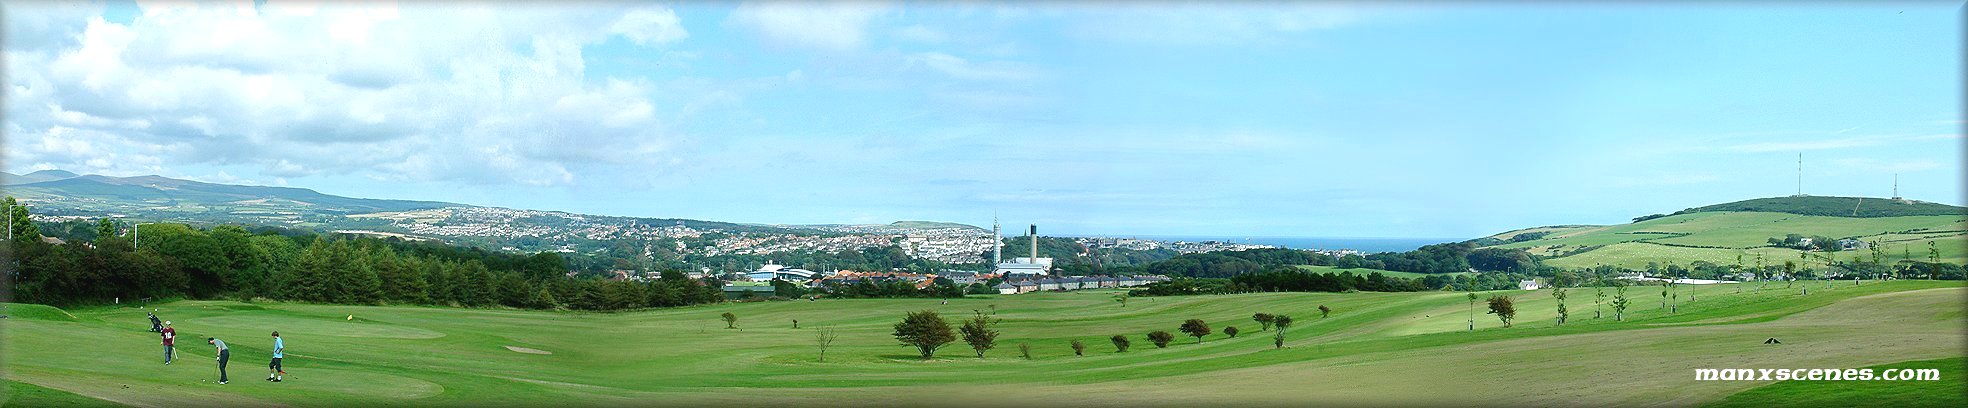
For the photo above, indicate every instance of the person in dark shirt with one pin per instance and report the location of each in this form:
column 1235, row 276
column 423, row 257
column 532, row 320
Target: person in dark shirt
column 170, row 342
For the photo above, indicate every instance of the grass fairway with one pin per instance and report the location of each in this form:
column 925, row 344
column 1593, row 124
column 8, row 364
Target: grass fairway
column 1391, row 348
column 30, row 395
column 1947, row 392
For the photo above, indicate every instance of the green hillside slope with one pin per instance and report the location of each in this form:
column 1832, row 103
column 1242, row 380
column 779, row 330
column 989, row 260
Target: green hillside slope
column 1836, row 207
column 1716, row 235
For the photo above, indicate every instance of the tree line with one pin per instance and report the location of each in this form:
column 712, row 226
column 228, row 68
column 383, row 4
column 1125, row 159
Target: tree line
column 174, row 260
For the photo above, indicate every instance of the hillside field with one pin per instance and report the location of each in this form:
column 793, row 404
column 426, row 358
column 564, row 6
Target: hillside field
column 1720, row 236
column 1365, row 271
column 1389, row 348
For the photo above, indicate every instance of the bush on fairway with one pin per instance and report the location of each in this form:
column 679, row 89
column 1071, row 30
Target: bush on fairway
column 1263, row 320
column 1230, row 331
column 1079, row 348
column 1504, row 308
column 977, row 332
column 1121, row 343
column 1196, row 328
column 1160, row 338
column 926, row 331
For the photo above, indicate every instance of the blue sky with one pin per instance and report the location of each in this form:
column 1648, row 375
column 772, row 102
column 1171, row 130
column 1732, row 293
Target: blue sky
column 1246, row 119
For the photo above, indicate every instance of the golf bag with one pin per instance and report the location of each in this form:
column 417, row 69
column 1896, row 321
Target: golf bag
column 156, row 326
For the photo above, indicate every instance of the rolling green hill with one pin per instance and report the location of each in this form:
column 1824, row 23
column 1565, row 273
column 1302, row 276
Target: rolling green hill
column 1718, row 235
column 1835, row 207
column 1376, row 349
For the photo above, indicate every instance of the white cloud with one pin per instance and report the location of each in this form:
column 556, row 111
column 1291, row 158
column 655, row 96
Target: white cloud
column 431, row 91
column 963, row 69
column 922, row 34
column 832, row 26
column 650, row 26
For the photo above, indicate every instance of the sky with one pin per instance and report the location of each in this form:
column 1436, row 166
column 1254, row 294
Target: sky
column 1423, row 120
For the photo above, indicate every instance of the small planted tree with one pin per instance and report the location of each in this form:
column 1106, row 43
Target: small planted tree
column 1122, row 297
column 1619, row 302
column 1559, row 294
column 1230, row 331
column 1324, row 311
column 1263, row 321
column 1160, row 338
column 977, row 332
column 1196, row 328
column 1025, row 350
column 926, row 331
column 1598, row 296
column 1504, row 307
column 730, row 320
column 1472, row 311
column 1121, row 343
column 1283, row 322
column 1079, row 348
column 824, row 338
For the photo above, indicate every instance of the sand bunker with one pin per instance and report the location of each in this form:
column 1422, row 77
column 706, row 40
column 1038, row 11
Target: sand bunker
column 528, row 350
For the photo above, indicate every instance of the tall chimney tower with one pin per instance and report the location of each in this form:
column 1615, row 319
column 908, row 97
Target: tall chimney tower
column 1035, row 243
column 997, row 243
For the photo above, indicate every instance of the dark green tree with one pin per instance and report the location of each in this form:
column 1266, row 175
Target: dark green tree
column 978, row 333
column 1504, row 307
column 1263, row 320
column 924, row 330
column 1196, row 328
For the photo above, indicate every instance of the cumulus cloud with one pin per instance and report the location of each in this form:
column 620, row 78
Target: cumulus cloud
column 427, row 92
column 650, row 26
column 827, row 26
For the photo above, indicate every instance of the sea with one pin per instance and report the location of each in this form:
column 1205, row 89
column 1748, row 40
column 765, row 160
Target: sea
column 1367, row 245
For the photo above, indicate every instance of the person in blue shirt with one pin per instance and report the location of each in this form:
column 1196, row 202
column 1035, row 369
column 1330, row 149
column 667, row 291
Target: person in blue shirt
column 274, row 372
column 224, row 354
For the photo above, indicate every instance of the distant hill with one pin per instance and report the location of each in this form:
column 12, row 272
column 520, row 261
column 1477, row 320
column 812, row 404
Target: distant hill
column 929, row 224
column 1721, row 233
column 39, row 176
column 1863, row 207
column 164, row 191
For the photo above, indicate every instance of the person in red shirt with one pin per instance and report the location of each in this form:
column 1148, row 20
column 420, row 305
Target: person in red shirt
column 170, row 342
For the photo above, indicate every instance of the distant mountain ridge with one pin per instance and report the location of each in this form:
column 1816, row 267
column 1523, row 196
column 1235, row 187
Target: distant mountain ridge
column 159, row 190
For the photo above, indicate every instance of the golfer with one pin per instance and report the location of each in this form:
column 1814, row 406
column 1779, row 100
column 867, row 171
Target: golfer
column 170, row 341
column 224, row 355
column 274, row 372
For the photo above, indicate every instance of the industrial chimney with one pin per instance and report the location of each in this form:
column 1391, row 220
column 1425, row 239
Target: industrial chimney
column 1035, row 243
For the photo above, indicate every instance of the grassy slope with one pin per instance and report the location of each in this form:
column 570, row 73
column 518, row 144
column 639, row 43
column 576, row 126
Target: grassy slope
column 1944, row 393
column 30, row 395
column 1398, row 347
column 1744, row 233
column 1365, row 271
